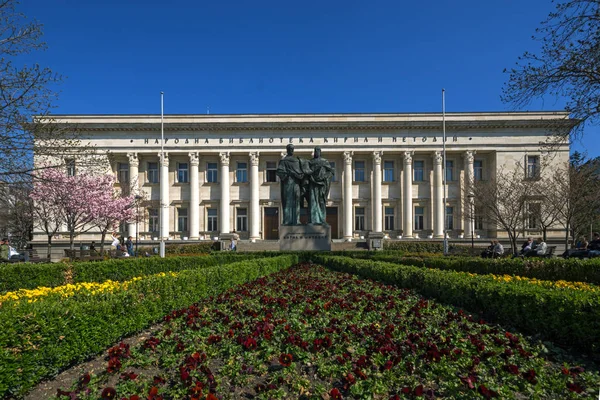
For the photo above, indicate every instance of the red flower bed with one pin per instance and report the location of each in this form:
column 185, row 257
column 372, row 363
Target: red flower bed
column 311, row 333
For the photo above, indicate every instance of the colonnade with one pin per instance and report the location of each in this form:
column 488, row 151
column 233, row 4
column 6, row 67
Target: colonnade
column 437, row 194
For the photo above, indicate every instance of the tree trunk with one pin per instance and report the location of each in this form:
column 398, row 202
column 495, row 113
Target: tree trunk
column 544, row 231
column 102, row 240
column 49, row 253
column 567, row 236
column 513, row 242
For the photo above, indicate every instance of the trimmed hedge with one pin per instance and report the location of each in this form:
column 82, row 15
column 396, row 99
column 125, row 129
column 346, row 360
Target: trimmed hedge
column 30, row 276
column 552, row 269
column 41, row 338
column 569, row 317
column 427, row 247
column 193, row 248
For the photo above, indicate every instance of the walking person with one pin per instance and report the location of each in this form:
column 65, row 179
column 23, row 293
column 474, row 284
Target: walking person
column 129, row 244
column 234, row 238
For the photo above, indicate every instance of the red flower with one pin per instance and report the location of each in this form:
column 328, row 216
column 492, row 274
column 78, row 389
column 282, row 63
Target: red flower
column 335, row 394
column 487, row 393
column 153, row 393
column 108, row 393
column 388, row 365
column 211, row 397
column 350, row 379
column 406, row 390
column 159, row 380
column 250, row 344
column 419, row 390
column 286, row 359
column 129, row 376
column 84, row 379
column 574, row 387
column 513, row 369
column 530, row 376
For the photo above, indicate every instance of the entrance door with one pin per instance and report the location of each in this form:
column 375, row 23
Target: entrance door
column 331, row 218
column 271, row 223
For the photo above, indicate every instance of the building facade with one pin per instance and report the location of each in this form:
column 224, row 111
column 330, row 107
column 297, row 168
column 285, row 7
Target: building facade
column 217, row 172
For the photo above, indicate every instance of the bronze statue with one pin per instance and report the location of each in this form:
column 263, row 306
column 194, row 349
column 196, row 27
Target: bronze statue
column 318, row 187
column 302, row 179
column 290, row 174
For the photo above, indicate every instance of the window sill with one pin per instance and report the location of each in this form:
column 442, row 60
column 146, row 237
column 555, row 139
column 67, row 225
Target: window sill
column 181, row 183
column 240, row 183
column 151, row 184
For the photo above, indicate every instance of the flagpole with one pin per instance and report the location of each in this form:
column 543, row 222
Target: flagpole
column 162, row 156
column 444, row 167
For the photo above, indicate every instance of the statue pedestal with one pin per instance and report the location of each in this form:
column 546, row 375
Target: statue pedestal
column 375, row 241
column 305, row 238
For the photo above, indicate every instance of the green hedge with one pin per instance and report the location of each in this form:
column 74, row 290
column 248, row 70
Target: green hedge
column 193, row 248
column 427, row 247
column 552, row 269
column 569, row 317
column 39, row 339
column 30, row 276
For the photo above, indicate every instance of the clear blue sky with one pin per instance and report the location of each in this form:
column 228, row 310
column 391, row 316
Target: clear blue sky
column 287, row 57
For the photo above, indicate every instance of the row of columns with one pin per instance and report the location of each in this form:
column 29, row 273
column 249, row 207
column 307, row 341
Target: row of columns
column 254, row 217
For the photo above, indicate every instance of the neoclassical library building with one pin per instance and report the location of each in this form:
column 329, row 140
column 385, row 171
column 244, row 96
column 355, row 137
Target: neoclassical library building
column 218, row 173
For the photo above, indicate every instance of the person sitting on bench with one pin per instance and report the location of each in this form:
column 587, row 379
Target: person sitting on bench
column 539, row 250
column 498, row 249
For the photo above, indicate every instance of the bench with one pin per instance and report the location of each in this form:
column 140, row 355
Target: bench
column 83, row 255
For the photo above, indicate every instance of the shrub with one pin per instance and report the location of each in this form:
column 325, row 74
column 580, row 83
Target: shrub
column 553, row 269
column 43, row 337
column 570, row 317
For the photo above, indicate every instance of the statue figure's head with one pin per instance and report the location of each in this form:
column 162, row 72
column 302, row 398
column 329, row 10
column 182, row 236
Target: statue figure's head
column 290, row 149
column 317, row 153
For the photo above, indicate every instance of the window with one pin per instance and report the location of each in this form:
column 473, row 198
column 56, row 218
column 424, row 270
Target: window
column 388, row 171
column 478, row 222
column 359, row 219
column 182, row 219
column 211, row 173
column 152, row 220
column 478, row 170
column 242, row 220
column 332, row 163
column 123, row 172
column 70, row 163
column 449, row 170
column 182, row 173
column 449, row 218
column 271, row 171
column 153, row 172
column 533, row 168
column 419, row 218
column 241, row 173
column 359, row 171
column 418, row 173
column 212, row 219
column 534, row 211
column 389, row 218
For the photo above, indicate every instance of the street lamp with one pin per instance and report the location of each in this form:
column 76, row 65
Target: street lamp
column 471, row 198
column 137, row 218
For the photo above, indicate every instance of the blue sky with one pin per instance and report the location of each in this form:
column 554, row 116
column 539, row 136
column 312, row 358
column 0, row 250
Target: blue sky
column 283, row 57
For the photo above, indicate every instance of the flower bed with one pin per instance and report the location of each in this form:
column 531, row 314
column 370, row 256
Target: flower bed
column 39, row 338
column 565, row 315
column 315, row 334
column 31, row 276
column 547, row 269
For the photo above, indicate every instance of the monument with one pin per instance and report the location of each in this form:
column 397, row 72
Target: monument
column 304, row 180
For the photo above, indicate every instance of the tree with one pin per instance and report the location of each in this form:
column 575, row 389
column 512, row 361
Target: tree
column 501, row 201
column 568, row 64
column 576, row 195
column 80, row 202
column 26, row 94
column 111, row 208
column 47, row 213
column 16, row 219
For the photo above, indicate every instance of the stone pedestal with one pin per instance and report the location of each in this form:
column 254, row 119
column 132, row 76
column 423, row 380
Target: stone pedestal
column 304, row 238
column 375, row 240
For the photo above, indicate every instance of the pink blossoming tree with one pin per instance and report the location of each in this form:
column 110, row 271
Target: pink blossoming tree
column 81, row 202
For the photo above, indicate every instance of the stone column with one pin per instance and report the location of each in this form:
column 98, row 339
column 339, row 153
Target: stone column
column 194, row 197
column 438, row 196
column 407, row 217
column 469, row 158
column 164, row 195
column 224, row 208
column 254, row 197
column 377, row 217
column 134, row 164
column 348, row 195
